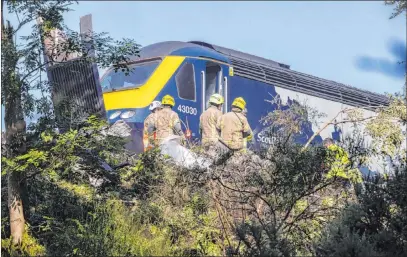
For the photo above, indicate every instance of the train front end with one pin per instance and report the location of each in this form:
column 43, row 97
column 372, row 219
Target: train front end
column 128, row 94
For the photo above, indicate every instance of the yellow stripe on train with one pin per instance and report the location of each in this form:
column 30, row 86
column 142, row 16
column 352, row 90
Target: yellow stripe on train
column 144, row 95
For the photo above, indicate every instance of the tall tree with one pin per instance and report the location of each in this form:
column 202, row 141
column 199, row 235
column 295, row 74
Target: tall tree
column 23, row 67
column 15, row 128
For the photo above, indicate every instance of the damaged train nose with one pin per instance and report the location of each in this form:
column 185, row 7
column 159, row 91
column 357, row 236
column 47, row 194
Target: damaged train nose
column 131, row 132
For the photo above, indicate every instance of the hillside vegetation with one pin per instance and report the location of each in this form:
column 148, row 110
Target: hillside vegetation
column 284, row 201
column 80, row 193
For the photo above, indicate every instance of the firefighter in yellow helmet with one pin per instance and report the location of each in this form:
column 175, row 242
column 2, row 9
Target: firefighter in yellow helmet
column 167, row 122
column 208, row 120
column 148, row 139
column 234, row 126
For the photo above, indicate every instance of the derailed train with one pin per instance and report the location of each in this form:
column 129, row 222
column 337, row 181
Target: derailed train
column 192, row 71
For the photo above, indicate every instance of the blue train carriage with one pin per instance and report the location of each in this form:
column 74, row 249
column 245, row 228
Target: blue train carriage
column 175, row 68
column 192, row 71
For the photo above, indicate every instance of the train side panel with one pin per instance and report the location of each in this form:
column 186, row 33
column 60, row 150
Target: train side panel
column 185, row 87
column 257, row 94
column 331, row 109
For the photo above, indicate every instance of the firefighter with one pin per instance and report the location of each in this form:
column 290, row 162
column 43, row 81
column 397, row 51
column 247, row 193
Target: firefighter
column 167, row 122
column 148, row 139
column 208, row 120
column 234, row 126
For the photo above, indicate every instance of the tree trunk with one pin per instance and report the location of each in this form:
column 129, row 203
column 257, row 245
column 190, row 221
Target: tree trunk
column 15, row 131
column 15, row 143
column 15, row 204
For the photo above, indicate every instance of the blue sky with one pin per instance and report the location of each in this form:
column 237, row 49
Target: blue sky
column 349, row 42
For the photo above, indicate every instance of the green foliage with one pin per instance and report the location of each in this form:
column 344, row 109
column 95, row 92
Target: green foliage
column 375, row 226
column 54, row 182
column 287, row 201
column 346, row 243
column 168, row 213
column 195, row 232
column 188, row 212
column 112, row 230
column 146, row 173
column 337, row 160
column 81, row 191
column 264, row 240
column 23, row 64
column 29, row 247
column 156, row 208
column 284, row 194
column 31, row 160
column 23, row 70
column 386, row 129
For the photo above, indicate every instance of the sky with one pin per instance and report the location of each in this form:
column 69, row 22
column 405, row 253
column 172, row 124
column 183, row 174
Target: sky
column 350, row 42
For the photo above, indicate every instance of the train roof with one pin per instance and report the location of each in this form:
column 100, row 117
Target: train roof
column 279, row 74
column 178, row 48
column 269, row 71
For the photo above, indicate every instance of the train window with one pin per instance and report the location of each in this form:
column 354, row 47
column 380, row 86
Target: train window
column 138, row 75
column 212, row 78
column 185, row 80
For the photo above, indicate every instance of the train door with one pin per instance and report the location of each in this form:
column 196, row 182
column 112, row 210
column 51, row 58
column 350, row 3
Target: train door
column 214, row 80
column 187, row 106
column 196, row 80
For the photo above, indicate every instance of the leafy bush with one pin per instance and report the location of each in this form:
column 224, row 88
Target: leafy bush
column 112, row 230
column 375, row 226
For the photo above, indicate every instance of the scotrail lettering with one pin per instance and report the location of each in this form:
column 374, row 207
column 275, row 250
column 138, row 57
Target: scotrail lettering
column 264, row 139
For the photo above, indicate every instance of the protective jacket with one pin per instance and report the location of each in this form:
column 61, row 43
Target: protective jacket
column 207, row 125
column 166, row 123
column 234, row 127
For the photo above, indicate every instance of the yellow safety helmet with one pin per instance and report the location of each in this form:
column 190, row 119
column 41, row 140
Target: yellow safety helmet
column 216, row 99
column 239, row 102
column 168, row 100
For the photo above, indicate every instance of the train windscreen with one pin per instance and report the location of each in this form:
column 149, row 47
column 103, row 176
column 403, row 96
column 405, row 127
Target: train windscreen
column 137, row 75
